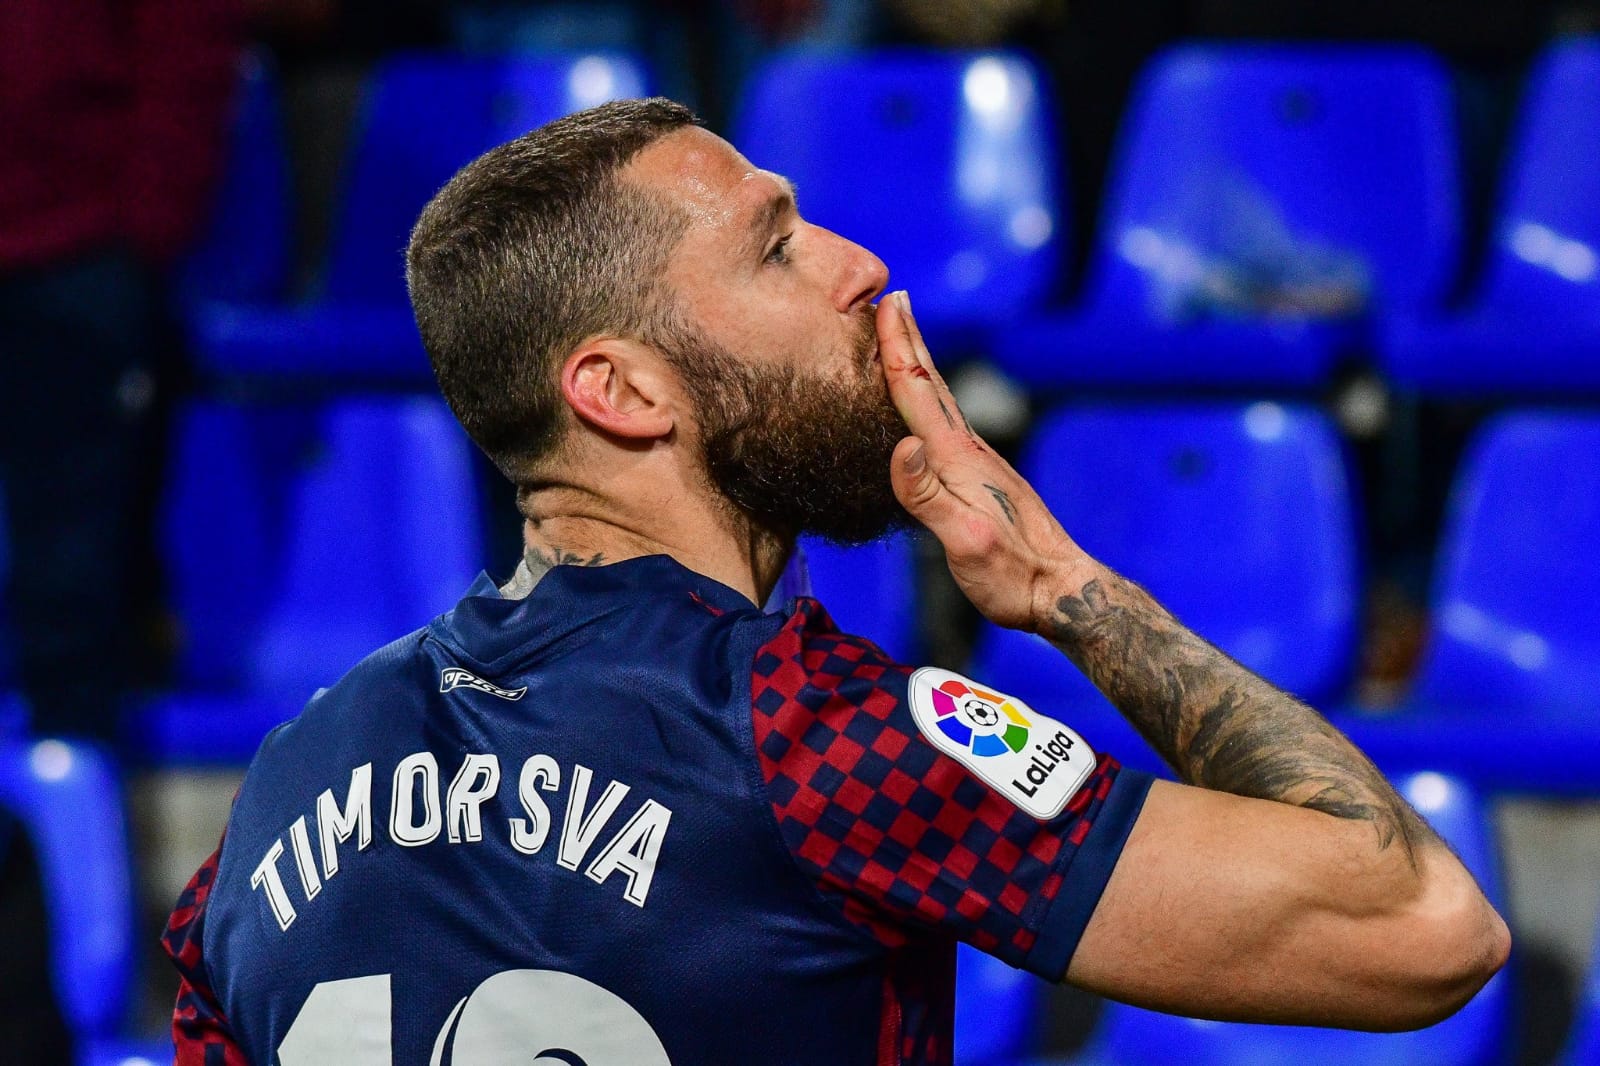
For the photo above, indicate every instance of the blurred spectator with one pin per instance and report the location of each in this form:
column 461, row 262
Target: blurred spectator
column 971, row 23
column 113, row 112
column 698, row 51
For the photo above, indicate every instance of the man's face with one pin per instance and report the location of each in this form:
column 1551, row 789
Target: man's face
column 776, row 346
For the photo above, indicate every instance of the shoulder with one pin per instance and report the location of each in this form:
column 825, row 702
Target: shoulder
column 808, row 649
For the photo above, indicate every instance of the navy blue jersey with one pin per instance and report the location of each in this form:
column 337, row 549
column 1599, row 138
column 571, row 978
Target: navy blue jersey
column 630, row 819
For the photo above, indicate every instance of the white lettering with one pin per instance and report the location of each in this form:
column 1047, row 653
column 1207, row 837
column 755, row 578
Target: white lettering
column 421, row 812
column 335, row 826
column 266, row 875
column 634, row 851
column 417, row 772
column 476, row 781
column 579, row 829
column 300, row 841
column 528, row 834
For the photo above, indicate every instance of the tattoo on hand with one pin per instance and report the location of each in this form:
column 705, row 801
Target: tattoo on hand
column 1217, row 724
column 1007, row 508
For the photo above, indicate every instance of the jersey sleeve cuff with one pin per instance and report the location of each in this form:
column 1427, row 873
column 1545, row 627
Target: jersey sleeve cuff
column 1089, row 868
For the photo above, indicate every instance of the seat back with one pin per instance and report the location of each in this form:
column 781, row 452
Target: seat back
column 1296, row 181
column 998, row 1010
column 1236, row 517
column 424, row 117
column 941, row 163
column 1547, row 251
column 870, row 591
column 299, row 540
column 70, row 803
column 1475, row 1036
column 1516, row 611
column 243, row 254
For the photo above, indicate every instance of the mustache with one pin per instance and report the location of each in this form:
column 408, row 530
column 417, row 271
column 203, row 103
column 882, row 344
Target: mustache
column 866, row 335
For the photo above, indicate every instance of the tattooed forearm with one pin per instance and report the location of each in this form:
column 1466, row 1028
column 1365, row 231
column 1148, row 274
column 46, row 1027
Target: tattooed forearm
column 1217, row 724
column 1007, row 508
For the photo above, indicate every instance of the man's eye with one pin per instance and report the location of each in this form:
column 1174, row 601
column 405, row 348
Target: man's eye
column 780, row 251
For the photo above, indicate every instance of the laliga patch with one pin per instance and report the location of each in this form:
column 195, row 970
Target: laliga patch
column 1032, row 760
column 453, row 677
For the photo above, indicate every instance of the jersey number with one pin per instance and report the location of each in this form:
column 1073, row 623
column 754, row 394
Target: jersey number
column 538, row 1016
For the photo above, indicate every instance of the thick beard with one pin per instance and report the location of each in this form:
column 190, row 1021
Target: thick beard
column 798, row 453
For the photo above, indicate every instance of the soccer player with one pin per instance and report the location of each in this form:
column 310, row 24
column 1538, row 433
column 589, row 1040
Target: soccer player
column 613, row 813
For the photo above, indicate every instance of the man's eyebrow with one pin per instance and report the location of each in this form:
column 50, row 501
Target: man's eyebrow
column 771, row 210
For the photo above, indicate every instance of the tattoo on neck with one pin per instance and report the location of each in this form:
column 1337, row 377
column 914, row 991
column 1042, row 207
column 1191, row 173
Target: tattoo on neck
column 546, row 558
column 537, row 561
column 1217, row 724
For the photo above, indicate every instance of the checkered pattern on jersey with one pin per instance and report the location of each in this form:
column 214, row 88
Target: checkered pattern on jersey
column 200, row 1033
column 901, row 836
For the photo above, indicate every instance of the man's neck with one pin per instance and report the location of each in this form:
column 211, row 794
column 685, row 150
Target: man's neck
column 727, row 549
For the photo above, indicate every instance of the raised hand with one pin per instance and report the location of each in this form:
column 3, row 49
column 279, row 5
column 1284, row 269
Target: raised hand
column 1006, row 551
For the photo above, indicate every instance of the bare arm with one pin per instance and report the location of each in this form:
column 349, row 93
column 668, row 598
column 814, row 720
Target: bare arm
column 1286, row 880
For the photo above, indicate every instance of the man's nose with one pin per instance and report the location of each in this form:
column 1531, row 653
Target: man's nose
column 863, row 279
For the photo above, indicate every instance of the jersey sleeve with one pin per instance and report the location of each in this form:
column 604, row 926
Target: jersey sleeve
column 907, row 838
column 200, row 1033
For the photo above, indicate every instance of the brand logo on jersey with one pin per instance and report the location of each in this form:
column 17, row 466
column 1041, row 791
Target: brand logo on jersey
column 1029, row 758
column 454, row 677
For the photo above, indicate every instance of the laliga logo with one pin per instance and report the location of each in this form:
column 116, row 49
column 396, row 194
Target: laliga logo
column 1028, row 757
column 986, row 723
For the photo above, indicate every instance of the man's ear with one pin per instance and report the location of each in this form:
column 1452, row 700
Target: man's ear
column 620, row 387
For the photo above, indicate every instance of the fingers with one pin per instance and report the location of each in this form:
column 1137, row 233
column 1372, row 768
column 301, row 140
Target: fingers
column 917, row 487
column 919, row 393
column 919, row 346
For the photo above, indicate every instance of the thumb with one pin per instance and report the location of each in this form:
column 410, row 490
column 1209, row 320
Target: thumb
column 916, row 486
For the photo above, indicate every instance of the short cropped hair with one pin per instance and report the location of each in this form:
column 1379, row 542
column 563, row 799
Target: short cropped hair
column 531, row 248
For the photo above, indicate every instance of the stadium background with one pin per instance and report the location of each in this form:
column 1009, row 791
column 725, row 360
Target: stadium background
column 1291, row 309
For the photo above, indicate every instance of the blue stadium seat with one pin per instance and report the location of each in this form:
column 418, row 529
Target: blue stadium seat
column 1476, row 1036
column 1236, row 517
column 869, row 591
column 68, row 800
column 998, row 1010
column 243, row 255
column 1264, row 200
column 298, row 540
column 127, row 1053
column 1506, row 692
column 941, row 163
column 424, row 116
column 1535, row 325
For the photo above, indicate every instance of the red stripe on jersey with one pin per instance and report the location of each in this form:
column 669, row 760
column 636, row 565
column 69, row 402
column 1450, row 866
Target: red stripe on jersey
column 200, row 1033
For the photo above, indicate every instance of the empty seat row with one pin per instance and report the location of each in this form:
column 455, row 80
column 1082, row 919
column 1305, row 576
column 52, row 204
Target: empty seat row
column 301, row 537
column 422, row 117
column 1272, row 212
column 1238, row 518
